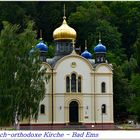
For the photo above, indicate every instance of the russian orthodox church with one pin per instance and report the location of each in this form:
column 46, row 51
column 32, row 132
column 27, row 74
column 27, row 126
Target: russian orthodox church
column 80, row 88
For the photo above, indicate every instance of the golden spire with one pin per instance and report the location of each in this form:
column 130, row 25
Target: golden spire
column 64, row 17
column 85, row 44
column 99, row 37
column 40, row 34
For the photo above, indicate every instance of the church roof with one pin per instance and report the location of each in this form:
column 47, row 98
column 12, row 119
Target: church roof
column 52, row 61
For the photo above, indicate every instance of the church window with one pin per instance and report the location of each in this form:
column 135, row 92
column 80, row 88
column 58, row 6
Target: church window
column 79, row 84
column 62, row 48
column 102, row 59
column 98, row 59
column 73, row 82
column 103, row 108
column 67, row 48
column 57, row 47
column 103, row 87
column 67, row 84
column 42, row 109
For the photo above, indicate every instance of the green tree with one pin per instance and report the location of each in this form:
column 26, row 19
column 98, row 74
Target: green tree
column 21, row 77
column 12, row 12
column 136, row 47
column 97, row 16
column 51, row 51
column 129, row 67
column 29, row 75
column 127, row 20
column 86, row 14
column 8, row 39
column 121, row 90
column 135, row 95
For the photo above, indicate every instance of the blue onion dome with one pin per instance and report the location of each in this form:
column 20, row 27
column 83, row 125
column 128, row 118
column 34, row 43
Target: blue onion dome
column 86, row 54
column 100, row 48
column 42, row 47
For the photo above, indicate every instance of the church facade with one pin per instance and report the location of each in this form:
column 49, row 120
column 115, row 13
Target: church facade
column 80, row 88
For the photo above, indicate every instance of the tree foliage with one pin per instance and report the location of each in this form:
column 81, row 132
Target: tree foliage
column 21, row 83
column 135, row 98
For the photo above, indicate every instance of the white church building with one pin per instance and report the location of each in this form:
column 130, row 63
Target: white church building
column 80, row 88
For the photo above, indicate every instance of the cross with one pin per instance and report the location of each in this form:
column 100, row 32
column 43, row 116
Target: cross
column 73, row 44
column 64, row 17
column 78, row 49
column 85, row 44
column 40, row 34
column 64, row 11
column 99, row 37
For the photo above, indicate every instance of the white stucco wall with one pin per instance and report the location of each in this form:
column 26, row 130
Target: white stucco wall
column 108, row 116
column 102, row 78
column 103, row 73
column 59, row 107
column 64, row 68
column 90, row 90
column 44, row 118
column 87, row 108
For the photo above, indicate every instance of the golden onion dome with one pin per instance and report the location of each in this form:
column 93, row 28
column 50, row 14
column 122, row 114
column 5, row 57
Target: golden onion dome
column 64, row 32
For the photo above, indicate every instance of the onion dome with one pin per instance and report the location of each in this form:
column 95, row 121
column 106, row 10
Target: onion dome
column 100, row 48
column 64, row 32
column 42, row 47
column 86, row 54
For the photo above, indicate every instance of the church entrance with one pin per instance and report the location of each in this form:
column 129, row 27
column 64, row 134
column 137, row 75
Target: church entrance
column 73, row 112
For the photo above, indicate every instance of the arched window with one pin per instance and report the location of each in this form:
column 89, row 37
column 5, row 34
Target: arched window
column 73, row 82
column 79, row 84
column 103, row 108
column 103, row 87
column 67, row 84
column 61, row 48
column 42, row 109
